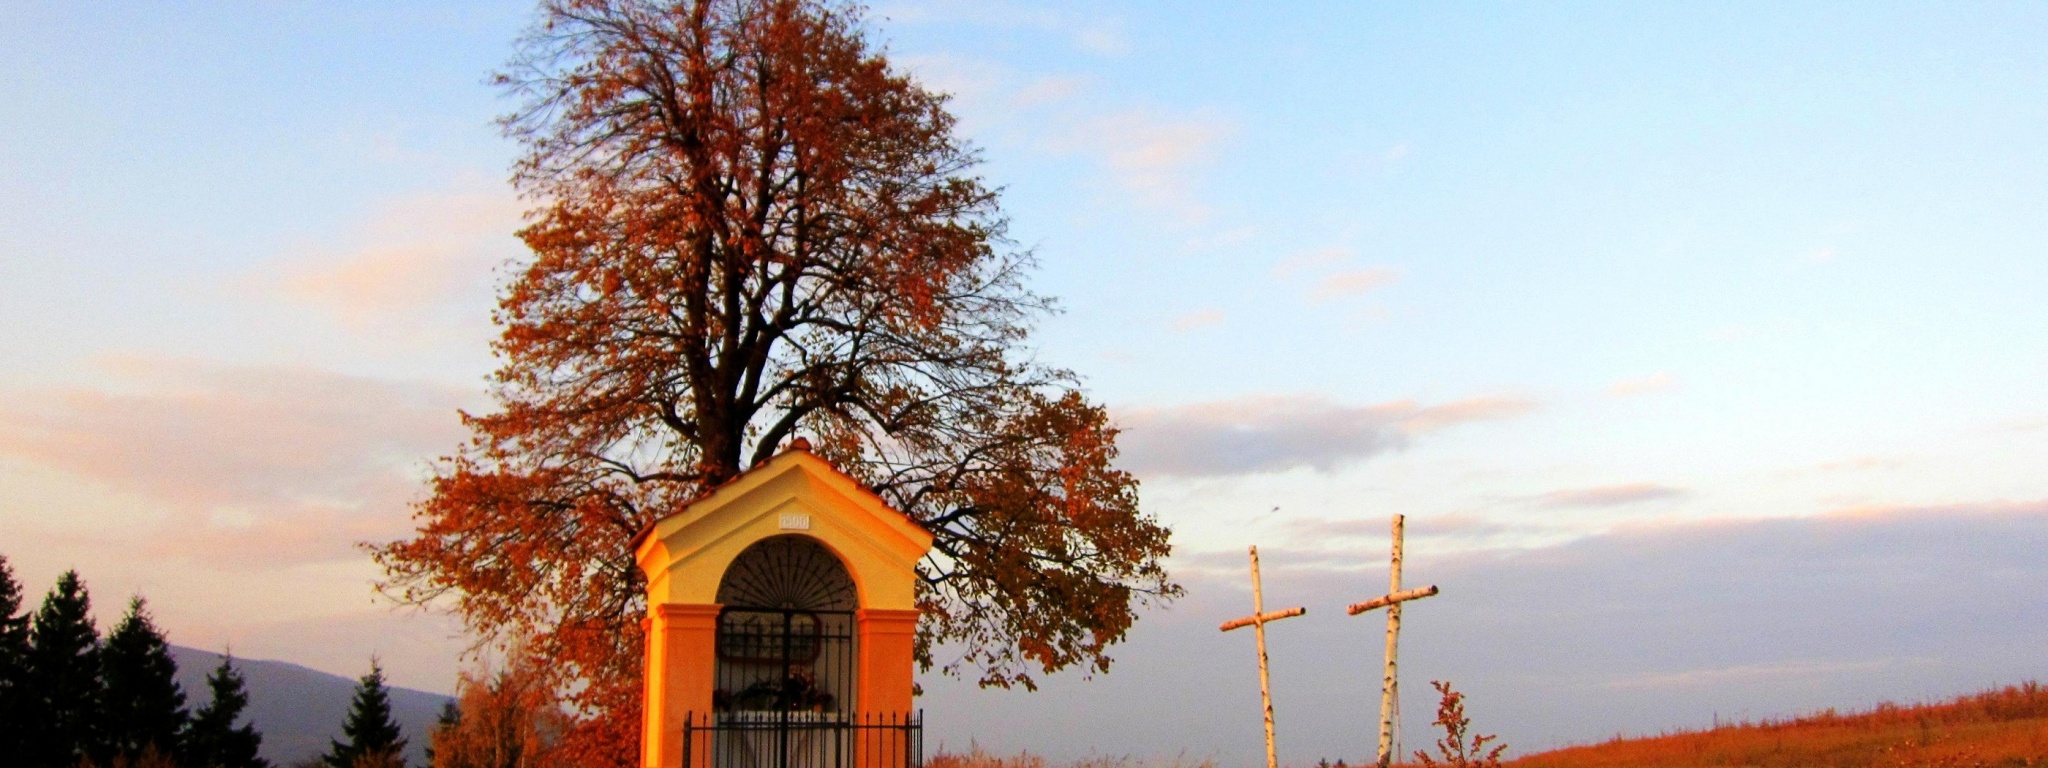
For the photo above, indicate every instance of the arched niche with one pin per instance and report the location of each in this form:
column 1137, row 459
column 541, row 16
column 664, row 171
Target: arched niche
column 787, row 632
column 789, row 571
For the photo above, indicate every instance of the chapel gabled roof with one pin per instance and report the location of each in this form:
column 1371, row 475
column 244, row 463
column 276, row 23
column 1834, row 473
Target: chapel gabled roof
column 796, row 455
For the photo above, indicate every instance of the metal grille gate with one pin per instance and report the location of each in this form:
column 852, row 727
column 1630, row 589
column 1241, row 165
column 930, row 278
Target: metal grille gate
column 786, row 672
column 785, row 661
column 784, row 698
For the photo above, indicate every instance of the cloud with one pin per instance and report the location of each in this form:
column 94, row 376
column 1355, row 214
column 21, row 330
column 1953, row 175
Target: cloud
column 412, row 257
column 1438, row 532
column 2030, row 424
column 1465, row 411
column 1660, row 381
column 1609, row 495
column 1233, row 564
column 1150, row 154
column 1340, row 284
column 1046, row 90
column 1103, row 39
column 1640, row 630
column 1198, row 319
column 250, row 463
column 1750, row 674
column 1151, row 157
column 985, row 92
column 1821, row 256
column 1311, row 260
column 1315, row 529
column 1860, row 463
column 1279, row 433
column 1100, row 35
column 1352, row 283
column 1733, row 332
column 1961, row 509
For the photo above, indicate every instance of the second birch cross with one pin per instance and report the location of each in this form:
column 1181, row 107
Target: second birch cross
column 1257, row 621
column 1391, row 601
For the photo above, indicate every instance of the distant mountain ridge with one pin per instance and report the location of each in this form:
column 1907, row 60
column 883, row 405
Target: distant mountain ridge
column 299, row 710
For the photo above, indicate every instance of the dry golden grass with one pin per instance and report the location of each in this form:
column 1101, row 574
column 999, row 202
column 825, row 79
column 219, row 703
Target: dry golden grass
column 975, row 757
column 2001, row 727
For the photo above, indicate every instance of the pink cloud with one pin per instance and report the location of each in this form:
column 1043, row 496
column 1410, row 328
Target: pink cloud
column 1436, row 532
column 1198, row 320
column 1152, row 156
column 411, row 257
column 1101, row 35
column 1311, row 260
column 1657, row 382
column 1610, row 495
column 1353, row 283
column 1857, row 463
column 1318, row 529
column 1278, row 433
column 261, row 464
column 1883, row 512
column 1465, row 411
column 1150, row 159
column 1752, row 674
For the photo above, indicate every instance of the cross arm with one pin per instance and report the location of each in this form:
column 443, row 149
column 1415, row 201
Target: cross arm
column 1385, row 600
column 1262, row 618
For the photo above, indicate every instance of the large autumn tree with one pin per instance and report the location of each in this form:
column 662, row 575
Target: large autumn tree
column 749, row 228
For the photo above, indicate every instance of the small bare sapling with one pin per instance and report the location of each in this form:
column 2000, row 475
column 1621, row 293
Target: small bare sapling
column 1454, row 751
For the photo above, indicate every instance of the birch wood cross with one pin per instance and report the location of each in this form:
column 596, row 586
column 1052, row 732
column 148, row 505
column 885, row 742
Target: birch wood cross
column 1391, row 601
column 1257, row 621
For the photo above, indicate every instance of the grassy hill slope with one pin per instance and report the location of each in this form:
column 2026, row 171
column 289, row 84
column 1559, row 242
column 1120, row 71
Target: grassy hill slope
column 2002, row 727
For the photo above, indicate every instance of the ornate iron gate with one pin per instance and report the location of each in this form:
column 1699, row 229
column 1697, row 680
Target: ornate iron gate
column 787, row 671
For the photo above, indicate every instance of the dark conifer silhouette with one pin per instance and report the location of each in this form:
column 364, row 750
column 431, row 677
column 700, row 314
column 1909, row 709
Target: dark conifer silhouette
column 142, row 708
column 63, row 677
column 451, row 715
column 13, row 663
column 213, row 740
column 372, row 737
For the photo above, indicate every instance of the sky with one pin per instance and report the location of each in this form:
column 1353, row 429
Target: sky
column 1700, row 344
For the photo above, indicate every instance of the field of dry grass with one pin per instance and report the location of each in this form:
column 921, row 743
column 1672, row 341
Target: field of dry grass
column 2003, row 727
column 976, row 758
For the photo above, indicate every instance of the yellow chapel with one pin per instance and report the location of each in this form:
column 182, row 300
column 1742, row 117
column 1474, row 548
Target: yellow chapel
column 782, row 621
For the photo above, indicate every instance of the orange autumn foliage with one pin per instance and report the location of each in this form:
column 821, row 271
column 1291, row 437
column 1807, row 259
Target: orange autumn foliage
column 1459, row 748
column 2001, row 727
column 750, row 227
column 505, row 718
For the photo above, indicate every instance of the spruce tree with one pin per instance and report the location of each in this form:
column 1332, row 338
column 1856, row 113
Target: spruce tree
column 369, row 730
column 213, row 741
column 14, row 690
column 142, row 708
column 64, row 678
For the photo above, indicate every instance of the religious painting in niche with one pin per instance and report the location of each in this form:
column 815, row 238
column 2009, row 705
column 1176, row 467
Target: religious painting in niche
column 786, row 634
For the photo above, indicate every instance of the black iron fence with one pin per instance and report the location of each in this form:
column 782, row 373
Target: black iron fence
column 801, row 739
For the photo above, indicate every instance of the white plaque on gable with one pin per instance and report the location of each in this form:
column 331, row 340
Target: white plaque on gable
column 796, row 521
